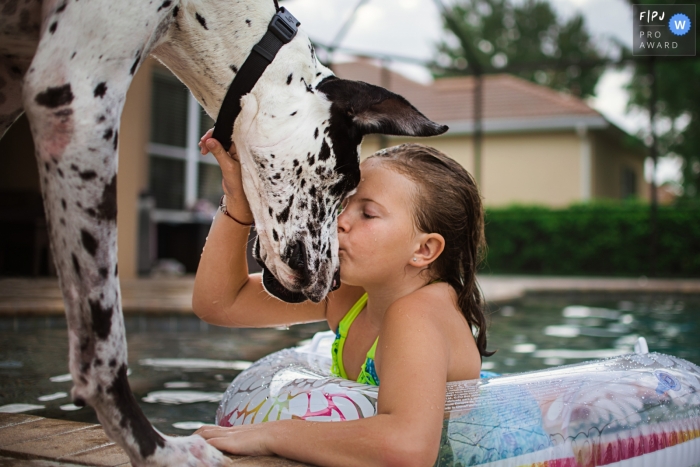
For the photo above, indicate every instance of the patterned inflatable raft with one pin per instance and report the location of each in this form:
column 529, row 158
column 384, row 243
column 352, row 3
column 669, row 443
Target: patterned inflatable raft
column 640, row 409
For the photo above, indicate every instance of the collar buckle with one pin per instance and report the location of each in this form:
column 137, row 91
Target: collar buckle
column 283, row 25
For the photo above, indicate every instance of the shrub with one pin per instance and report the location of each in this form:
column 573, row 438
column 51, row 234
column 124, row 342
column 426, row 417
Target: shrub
column 601, row 238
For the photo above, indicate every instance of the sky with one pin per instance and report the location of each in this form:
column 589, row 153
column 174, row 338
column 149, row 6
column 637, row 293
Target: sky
column 411, row 28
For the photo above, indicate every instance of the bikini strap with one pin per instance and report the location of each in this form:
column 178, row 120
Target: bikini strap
column 339, row 343
column 350, row 316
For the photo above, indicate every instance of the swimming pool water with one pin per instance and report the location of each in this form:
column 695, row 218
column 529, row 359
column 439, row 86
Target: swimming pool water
column 539, row 333
column 181, row 366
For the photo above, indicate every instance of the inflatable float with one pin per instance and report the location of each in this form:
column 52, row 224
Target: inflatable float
column 641, row 409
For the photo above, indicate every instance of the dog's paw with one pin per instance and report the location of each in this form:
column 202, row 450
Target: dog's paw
column 189, row 451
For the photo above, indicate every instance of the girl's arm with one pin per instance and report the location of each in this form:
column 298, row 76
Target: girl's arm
column 224, row 294
column 405, row 432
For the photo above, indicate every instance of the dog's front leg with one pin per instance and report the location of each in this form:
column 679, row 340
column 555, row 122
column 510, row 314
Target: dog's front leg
column 73, row 94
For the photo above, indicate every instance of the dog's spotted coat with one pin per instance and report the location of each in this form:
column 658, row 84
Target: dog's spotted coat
column 68, row 65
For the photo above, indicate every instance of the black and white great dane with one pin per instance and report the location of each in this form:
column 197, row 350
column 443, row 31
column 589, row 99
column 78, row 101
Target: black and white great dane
column 68, row 65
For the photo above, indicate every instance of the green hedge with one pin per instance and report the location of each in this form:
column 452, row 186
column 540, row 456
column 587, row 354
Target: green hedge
column 602, row 239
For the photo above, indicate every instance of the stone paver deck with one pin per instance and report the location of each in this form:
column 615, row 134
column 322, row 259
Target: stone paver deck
column 42, row 296
column 29, row 441
column 174, row 295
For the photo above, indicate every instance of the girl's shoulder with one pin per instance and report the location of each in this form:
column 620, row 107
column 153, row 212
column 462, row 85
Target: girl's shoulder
column 424, row 302
column 419, row 321
column 433, row 311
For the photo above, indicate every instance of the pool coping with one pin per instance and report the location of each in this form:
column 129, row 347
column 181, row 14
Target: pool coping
column 159, row 296
column 504, row 289
column 42, row 296
column 32, row 440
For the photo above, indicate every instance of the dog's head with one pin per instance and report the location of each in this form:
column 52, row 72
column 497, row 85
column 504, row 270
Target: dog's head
column 298, row 136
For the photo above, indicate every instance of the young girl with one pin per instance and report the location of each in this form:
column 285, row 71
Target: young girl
column 410, row 240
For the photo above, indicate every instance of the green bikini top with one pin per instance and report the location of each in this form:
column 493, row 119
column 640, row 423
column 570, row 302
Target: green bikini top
column 368, row 372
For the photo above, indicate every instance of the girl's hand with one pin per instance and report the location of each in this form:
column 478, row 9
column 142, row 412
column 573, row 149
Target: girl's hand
column 236, row 200
column 247, row 440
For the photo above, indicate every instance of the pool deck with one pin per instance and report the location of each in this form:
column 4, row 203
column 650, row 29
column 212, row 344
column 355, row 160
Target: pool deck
column 30, row 441
column 174, row 295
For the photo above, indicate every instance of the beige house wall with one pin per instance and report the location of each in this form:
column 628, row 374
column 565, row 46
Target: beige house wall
column 459, row 148
column 540, row 168
column 133, row 167
column 370, row 144
column 537, row 168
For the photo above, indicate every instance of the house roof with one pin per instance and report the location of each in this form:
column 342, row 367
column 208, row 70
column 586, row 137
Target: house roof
column 509, row 103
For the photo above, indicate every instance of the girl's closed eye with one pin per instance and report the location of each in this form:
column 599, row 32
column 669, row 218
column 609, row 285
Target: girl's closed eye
column 369, row 210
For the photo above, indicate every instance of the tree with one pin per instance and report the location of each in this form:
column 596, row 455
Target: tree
column 678, row 104
column 527, row 40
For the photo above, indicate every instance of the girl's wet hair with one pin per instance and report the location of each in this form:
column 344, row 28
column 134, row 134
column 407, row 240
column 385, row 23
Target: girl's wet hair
column 447, row 202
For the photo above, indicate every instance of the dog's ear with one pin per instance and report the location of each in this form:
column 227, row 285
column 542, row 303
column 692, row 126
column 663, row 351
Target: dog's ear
column 373, row 109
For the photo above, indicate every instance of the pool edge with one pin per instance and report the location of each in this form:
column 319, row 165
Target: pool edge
column 66, row 443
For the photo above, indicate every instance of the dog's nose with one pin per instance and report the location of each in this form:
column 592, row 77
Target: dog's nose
column 298, row 262
column 298, row 258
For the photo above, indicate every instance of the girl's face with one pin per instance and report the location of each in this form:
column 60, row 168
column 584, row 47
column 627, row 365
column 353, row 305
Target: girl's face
column 376, row 234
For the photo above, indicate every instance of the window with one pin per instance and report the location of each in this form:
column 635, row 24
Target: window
column 186, row 187
column 629, row 183
column 169, row 112
column 167, row 182
column 180, row 178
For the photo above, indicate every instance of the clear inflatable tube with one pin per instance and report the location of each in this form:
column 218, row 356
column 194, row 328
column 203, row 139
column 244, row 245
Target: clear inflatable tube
column 634, row 410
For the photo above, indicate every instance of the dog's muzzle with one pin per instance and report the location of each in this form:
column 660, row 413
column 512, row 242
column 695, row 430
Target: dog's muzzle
column 276, row 289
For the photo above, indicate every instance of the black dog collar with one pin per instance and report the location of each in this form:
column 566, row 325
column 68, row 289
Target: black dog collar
column 280, row 31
